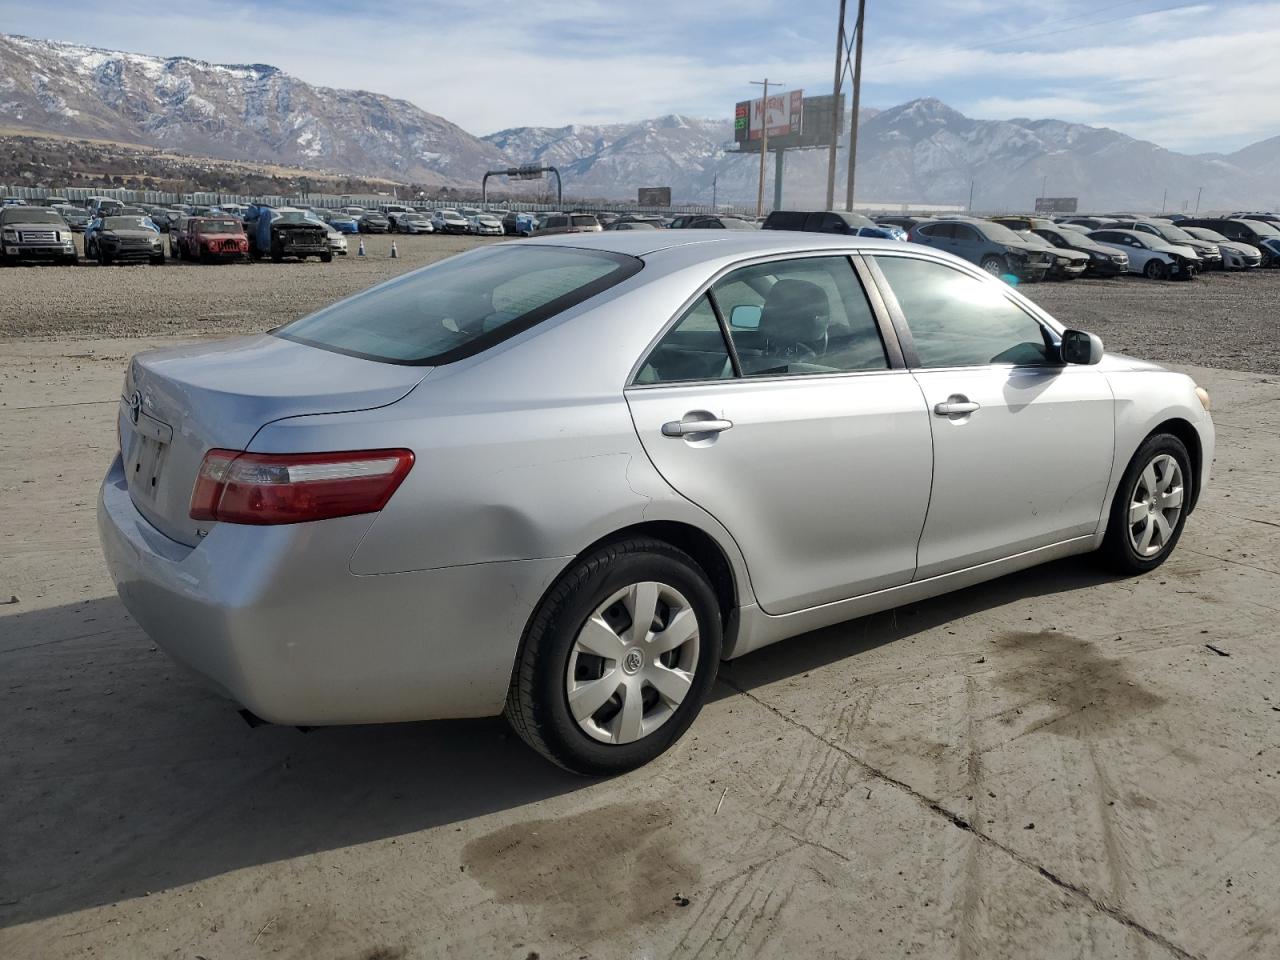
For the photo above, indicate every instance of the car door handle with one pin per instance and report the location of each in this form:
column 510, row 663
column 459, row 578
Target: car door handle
column 956, row 405
column 682, row 428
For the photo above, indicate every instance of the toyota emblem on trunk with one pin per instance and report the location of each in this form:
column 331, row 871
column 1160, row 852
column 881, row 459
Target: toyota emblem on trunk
column 135, row 405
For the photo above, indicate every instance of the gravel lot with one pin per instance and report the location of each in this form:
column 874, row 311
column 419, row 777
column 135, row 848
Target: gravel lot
column 1219, row 320
column 1059, row 764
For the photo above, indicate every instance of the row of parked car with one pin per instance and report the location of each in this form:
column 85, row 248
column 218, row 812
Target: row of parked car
column 1029, row 248
column 115, row 232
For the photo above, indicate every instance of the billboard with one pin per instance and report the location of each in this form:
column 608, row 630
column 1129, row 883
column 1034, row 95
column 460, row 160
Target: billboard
column 654, row 196
column 814, row 128
column 529, row 171
column 1056, row 204
column 782, row 115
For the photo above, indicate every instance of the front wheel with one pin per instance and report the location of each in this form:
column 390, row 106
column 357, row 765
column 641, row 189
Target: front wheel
column 618, row 658
column 326, row 258
column 1150, row 506
column 1155, row 270
column 994, row 265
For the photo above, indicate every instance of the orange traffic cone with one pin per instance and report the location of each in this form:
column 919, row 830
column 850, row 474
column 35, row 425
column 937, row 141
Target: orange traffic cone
column 394, row 252
column 360, row 252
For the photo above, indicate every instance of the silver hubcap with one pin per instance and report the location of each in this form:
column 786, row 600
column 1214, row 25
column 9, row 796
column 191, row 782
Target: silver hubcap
column 632, row 663
column 1155, row 506
column 993, row 267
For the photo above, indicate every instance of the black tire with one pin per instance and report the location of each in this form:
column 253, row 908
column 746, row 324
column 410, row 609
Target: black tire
column 1118, row 551
column 326, row 257
column 277, row 253
column 158, row 261
column 537, row 702
column 71, row 261
column 994, row 265
column 1155, row 269
column 103, row 259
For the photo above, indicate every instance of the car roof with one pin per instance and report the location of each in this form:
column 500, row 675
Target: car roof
column 701, row 246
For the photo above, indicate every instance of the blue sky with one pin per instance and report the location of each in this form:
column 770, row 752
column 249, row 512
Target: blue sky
column 1196, row 77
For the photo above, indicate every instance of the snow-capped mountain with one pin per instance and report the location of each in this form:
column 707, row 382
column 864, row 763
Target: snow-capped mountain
column 922, row 151
column 238, row 112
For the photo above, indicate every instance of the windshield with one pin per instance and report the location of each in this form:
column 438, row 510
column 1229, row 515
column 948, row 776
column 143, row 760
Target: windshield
column 1173, row 234
column 218, row 226
column 1204, row 234
column 1263, row 227
column 1032, row 238
column 127, row 223
column 29, row 215
column 294, row 216
column 463, row 305
column 1000, row 234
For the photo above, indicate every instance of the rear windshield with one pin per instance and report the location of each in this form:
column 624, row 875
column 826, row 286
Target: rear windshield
column 585, row 221
column 462, row 305
column 1263, row 228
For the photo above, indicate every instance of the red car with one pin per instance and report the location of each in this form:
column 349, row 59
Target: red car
column 208, row 239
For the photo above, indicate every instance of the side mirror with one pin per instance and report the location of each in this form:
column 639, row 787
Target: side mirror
column 745, row 316
column 1081, row 347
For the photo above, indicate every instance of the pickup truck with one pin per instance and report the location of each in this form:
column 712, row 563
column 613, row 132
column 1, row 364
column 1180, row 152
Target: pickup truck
column 34, row 233
column 279, row 232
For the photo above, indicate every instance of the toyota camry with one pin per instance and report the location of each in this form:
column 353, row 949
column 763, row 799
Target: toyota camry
column 563, row 478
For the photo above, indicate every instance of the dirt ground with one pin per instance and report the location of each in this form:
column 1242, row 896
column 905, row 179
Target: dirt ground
column 1218, row 320
column 1057, row 764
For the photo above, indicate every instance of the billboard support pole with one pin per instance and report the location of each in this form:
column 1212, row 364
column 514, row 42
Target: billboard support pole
column 764, row 142
column 835, row 114
column 857, row 96
column 777, row 177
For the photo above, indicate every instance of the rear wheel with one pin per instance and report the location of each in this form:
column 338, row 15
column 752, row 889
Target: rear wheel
column 1150, row 506
column 618, row 659
column 1155, row 270
column 994, row 265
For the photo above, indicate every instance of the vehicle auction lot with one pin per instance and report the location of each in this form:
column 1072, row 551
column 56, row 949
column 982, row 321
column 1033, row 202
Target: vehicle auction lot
column 1056, row 764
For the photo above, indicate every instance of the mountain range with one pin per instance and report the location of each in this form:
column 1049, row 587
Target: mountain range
column 918, row 152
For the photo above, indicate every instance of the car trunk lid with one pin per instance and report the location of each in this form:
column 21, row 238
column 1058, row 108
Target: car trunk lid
column 179, row 403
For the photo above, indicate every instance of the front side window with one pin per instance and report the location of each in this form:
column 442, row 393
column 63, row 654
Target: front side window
column 957, row 320
column 462, row 305
column 803, row 316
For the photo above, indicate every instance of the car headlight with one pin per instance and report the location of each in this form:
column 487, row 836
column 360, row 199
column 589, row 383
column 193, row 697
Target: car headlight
column 11, row 235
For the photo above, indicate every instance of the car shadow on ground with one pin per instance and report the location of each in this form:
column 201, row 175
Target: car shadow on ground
column 123, row 776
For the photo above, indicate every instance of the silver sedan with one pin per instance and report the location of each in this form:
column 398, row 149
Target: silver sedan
column 562, row 479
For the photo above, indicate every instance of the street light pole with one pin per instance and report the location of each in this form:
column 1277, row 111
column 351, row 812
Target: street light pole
column 1199, row 190
column 764, row 141
column 835, row 113
column 857, row 99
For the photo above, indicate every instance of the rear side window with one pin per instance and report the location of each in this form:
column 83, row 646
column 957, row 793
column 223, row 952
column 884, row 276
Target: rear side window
column 694, row 349
column 958, row 321
column 785, row 220
column 803, row 316
column 462, row 305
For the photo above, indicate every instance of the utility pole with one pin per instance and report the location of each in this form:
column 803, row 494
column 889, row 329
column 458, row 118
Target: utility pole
column 857, row 99
column 1164, row 199
column 764, row 141
column 1199, row 190
column 836, row 84
column 969, row 209
column 715, row 176
column 1044, row 185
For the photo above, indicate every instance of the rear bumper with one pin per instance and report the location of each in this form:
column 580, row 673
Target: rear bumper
column 273, row 619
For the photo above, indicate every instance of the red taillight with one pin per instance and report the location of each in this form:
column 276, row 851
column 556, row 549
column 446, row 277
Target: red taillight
column 264, row 488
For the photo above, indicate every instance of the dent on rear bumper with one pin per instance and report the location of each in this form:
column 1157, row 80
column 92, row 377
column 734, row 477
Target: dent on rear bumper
column 272, row 618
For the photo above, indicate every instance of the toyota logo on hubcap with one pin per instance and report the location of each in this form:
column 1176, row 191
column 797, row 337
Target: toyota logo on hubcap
column 633, row 661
